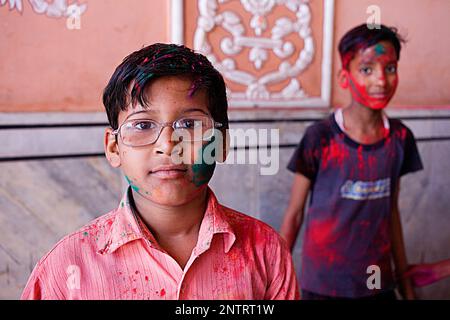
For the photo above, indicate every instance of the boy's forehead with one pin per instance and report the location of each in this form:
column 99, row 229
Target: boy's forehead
column 382, row 50
column 169, row 95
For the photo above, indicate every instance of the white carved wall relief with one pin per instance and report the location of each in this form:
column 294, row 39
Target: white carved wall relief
column 260, row 39
column 55, row 9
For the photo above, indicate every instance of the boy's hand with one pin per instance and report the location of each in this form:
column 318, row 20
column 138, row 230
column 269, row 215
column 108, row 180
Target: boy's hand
column 421, row 275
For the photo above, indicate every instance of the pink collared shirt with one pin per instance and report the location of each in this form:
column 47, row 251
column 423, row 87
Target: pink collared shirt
column 116, row 257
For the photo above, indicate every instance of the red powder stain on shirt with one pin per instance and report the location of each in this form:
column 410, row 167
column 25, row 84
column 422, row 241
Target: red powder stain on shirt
column 134, row 290
column 360, row 159
column 402, row 134
column 162, row 293
column 146, row 278
column 322, row 235
column 233, row 255
column 137, row 272
column 322, row 232
column 372, row 164
column 372, row 161
column 334, row 154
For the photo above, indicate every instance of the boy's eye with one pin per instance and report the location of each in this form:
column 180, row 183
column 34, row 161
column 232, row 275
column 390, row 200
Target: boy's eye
column 366, row 70
column 189, row 123
column 141, row 125
column 391, row 69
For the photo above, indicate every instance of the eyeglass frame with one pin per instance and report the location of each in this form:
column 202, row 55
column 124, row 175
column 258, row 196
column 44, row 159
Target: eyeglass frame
column 161, row 126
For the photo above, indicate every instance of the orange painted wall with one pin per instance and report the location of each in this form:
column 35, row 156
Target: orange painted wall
column 425, row 61
column 46, row 67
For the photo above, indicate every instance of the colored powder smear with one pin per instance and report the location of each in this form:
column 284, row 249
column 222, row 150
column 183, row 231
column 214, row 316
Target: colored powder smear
column 380, row 49
column 202, row 171
column 135, row 188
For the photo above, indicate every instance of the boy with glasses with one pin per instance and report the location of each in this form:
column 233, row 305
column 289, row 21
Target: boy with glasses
column 169, row 238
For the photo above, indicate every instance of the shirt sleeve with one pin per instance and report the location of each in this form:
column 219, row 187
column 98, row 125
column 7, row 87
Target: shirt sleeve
column 283, row 281
column 411, row 160
column 305, row 159
column 33, row 288
column 48, row 279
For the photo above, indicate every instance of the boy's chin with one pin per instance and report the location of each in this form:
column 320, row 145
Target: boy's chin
column 378, row 106
column 375, row 105
column 174, row 196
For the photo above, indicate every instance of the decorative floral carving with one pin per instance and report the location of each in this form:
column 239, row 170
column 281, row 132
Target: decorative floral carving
column 259, row 46
column 56, row 9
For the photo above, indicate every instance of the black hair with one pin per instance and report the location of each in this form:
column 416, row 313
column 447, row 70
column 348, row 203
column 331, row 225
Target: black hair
column 159, row 60
column 363, row 37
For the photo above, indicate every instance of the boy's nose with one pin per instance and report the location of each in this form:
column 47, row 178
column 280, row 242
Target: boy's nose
column 381, row 78
column 165, row 143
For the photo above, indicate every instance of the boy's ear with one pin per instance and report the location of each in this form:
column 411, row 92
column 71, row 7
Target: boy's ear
column 343, row 78
column 224, row 149
column 111, row 148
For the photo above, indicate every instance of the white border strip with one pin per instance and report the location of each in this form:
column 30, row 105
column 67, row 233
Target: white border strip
column 327, row 51
column 176, row 22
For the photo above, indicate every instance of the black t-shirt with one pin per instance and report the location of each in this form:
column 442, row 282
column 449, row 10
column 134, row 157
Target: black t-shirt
column 348, row 220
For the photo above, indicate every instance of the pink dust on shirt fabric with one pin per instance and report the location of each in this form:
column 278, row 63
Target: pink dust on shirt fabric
column 116, row 257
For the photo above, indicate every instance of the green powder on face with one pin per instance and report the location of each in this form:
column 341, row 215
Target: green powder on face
column 202, row 171
column 135, row 188
column 380, row 49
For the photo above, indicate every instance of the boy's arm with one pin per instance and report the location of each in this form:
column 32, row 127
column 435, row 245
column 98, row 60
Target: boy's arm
column 398, row 250
column 33, row 288
column 293, row 217
column 282, row 279
column 428, row 273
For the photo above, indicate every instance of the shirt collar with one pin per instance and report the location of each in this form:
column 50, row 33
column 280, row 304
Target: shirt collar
column 128, row 226
column 339, row 117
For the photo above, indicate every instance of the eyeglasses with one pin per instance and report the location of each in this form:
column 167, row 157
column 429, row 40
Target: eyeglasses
column 141, row 132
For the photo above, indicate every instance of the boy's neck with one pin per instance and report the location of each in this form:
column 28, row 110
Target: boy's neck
column 166, row 222
column 361, row 118
column 363, row 124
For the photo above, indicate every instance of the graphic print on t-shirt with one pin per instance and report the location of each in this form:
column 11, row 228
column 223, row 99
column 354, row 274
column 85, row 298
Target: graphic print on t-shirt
column 366, row 190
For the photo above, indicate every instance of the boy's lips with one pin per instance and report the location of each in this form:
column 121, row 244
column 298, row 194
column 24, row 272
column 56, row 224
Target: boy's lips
column 169, row 171
column 380, row 95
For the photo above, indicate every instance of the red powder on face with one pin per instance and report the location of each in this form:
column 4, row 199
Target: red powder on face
column 360, row 94
column 346, row 58
column 375, row 89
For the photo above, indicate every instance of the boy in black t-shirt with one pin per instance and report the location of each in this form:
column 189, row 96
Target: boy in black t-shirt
column 351, row 163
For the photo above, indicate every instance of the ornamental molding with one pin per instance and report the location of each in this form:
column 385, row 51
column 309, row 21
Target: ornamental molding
column 55, row 9
column 237, row 39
